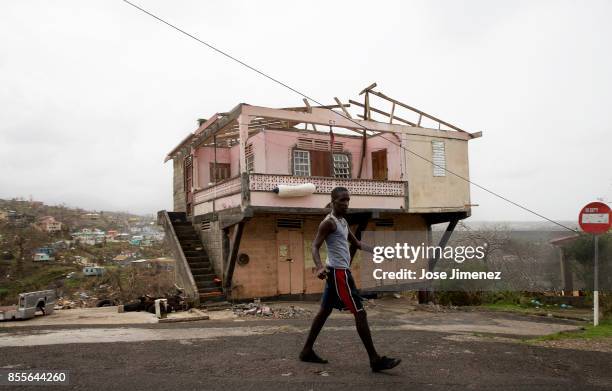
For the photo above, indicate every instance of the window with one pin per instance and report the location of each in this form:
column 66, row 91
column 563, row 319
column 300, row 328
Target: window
column 222, row 172
column 188, row 173
column 188, row 183
column 341, row 166
column 250, row 158
column 438, row 158
column 301, row 163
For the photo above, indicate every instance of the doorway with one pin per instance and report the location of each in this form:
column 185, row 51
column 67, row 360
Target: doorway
column 290, row 261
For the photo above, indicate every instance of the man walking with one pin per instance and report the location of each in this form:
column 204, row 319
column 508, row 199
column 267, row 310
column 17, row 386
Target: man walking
column 340, row 290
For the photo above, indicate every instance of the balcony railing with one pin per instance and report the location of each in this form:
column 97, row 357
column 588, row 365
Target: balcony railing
column 221, row 189
column 324, row 185
column 267, row 183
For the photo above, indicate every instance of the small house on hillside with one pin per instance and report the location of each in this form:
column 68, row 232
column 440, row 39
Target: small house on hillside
column 93, row 270
column 47, row 250
column 49, row 224
column 42, row 257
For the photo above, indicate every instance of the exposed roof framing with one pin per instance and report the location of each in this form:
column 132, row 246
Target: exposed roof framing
column 224, row 126
column 370, row 90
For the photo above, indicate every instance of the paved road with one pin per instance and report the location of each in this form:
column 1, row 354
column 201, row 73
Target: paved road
column 262, row 356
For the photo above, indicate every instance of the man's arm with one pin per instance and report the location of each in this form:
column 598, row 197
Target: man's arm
column 325, row 228
column 357, row 244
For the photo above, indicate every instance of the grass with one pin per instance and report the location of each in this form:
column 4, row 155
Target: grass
column 517, row 308
column 34, row 279
column 508, row 307
column 556, row 311
column 604, row 330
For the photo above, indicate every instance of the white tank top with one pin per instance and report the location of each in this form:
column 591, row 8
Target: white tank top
column 338, row 254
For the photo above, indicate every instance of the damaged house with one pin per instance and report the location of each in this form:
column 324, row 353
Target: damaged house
column 251, row 186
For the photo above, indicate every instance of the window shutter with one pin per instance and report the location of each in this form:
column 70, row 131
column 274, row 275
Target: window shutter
column 320, row 163
column 438, row 158
column 310, row 144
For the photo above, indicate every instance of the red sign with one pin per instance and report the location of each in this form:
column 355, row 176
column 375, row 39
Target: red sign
column 595, row 218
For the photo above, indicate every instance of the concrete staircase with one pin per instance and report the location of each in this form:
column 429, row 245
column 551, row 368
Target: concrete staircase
column 197, row 258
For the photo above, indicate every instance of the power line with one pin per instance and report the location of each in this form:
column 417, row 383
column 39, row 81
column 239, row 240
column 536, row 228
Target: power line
column 233, row 58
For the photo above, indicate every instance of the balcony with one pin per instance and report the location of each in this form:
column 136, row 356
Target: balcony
column 365, row 194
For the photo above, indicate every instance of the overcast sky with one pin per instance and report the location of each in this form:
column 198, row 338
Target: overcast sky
column 94, row 94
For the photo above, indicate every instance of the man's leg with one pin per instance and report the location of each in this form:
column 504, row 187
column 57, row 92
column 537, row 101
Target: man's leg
column 361, row 321
column 308, row 353
column 377, row 363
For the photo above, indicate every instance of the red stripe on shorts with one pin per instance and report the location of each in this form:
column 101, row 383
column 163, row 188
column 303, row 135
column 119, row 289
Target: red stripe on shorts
column 343, row 290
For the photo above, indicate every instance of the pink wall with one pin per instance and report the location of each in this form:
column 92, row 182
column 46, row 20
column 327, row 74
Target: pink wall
column 235, row 160
column 278, row 145
column 259, row 198
column 206, row 155
column 259, row 144
column 394, row 157
column 272, row 150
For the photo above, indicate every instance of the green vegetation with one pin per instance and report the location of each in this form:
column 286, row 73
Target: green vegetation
column 36, row 279
column 508, row 307
column 604, row 330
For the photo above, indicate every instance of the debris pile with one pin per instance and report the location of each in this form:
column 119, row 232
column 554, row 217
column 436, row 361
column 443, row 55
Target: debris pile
column 293, row 312
column 258, row 309
column 76, row 300
column 431, row 307
column 176, row 301
column 252, row 309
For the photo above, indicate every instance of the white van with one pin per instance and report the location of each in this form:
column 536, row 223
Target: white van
column 29, row 303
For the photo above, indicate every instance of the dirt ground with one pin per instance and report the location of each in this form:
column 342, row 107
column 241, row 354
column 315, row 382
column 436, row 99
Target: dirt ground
column 441, row 349
column 411, row 317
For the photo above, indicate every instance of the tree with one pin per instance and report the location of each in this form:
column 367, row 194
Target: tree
column 582, row 250
column 19, row 242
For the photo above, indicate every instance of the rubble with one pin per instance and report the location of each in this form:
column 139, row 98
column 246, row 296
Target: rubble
column 175, row 302
column 260, row 310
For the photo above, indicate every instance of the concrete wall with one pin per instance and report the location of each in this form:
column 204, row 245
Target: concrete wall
column 178, row 185
column 428, row 193
column 183, row 275
column 212, row 240
column 260, row 278
column 257, row 278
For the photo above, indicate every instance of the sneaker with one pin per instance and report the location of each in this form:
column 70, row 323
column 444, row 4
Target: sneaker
column 311, row 356
column 384, row 363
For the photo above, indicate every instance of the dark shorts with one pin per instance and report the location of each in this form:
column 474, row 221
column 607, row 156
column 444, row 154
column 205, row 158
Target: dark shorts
column 341, row 292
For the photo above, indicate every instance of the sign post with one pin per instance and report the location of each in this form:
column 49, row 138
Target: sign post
column 594, row 218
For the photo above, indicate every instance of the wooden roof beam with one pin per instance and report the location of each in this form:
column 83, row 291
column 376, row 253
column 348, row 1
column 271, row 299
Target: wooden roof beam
column 368, row 88
column 303, row 108
column 348, row 115
column 424, row 114
column 328, row 117
column 384, row 113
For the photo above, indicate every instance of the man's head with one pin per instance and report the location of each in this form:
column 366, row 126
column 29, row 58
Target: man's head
column 340, row 200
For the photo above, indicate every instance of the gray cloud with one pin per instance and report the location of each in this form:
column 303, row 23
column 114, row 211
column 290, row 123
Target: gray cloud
column 93, row 96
